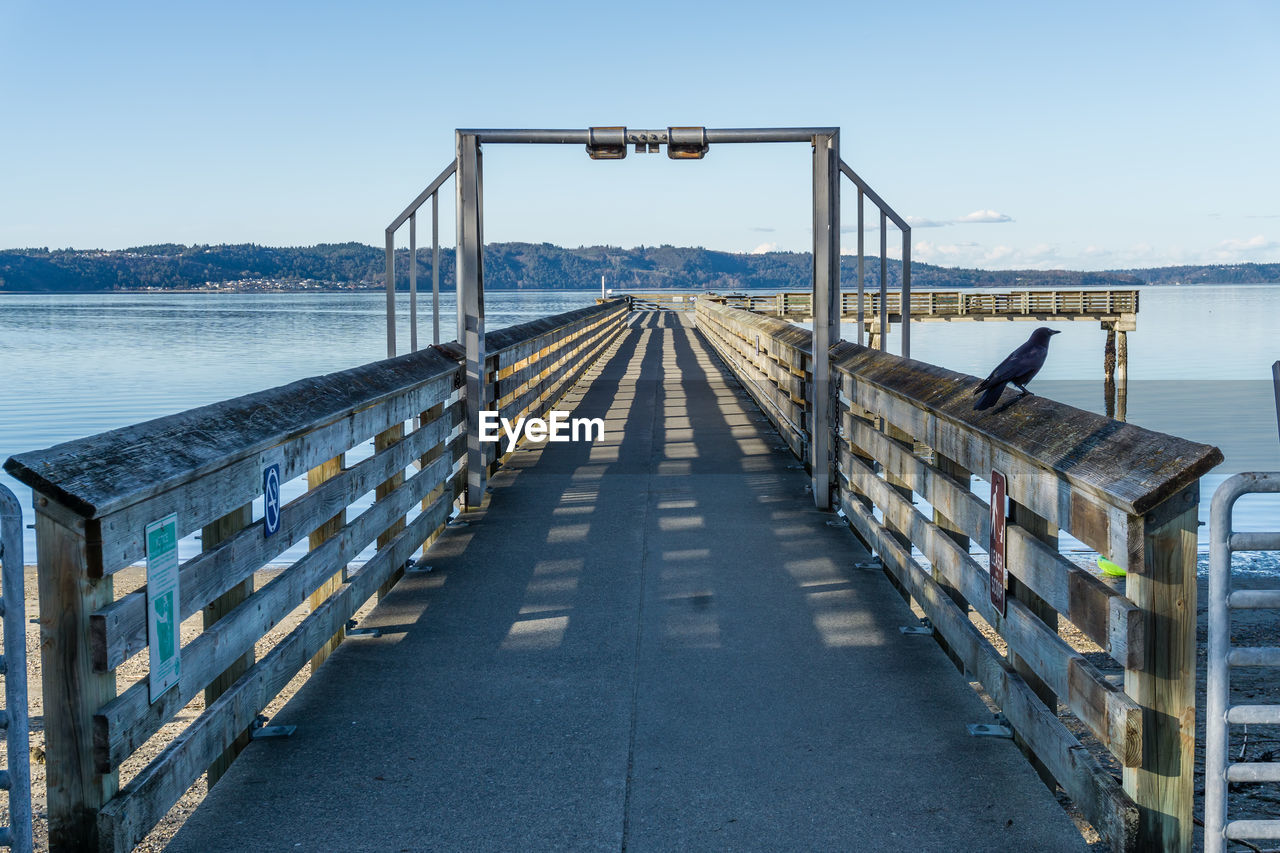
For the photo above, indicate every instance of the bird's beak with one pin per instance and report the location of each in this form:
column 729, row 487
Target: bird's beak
column 1055, row 331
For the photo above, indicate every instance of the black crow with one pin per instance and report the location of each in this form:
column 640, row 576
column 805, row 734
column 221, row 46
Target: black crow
column 1019, row 368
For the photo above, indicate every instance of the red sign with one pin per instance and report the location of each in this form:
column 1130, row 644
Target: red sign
column 995, row 549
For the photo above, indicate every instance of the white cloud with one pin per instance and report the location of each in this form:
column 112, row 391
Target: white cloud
column 978, row 216
column 764, row 247
column 984, row 216
column 947, row 254
column 765, row 230
column 1234, row 249
column 921, row 222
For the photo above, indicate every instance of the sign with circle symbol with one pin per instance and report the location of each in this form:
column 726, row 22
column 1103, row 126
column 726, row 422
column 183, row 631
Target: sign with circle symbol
column 271, row 500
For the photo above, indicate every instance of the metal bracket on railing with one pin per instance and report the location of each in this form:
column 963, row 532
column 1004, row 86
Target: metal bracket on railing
column 998, row 728
column 262, row 731
column 607, row 143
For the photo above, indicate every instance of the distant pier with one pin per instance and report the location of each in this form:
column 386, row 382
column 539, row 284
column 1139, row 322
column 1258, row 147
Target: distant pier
column 1116, row 311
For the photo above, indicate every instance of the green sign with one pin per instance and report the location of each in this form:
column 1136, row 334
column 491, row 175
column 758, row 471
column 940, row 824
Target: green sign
column 163, row 615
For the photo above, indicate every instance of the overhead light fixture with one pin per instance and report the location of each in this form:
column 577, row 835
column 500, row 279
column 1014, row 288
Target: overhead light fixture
column 607, row 143
column 686, row 143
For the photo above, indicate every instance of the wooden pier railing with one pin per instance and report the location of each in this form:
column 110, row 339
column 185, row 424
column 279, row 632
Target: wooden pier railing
column 951, row 304
column 95, row 498
column 908, row 434
column 532, row 365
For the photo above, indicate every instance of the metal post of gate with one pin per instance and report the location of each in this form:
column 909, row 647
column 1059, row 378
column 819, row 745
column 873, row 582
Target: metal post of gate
column 470, row 253
column 17, row 779
column 826, row 305
column 435, row 267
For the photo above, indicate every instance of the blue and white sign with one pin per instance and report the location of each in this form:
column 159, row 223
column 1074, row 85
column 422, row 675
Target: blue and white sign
column 271, row 499
column 163, row 614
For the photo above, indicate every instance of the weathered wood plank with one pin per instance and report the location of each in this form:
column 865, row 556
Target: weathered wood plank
column 71, row 688
column 554, row 377
column 1042, row 530
column 241, row 481
column 123, row 724
column 1031, row 482
column 509, row 337
column 119, row 630
column 102, row 474
column 780, row 413
column 781, row 406
column 126, row 819
column 383, row 491
column 511, row 372
column 1093, row 790
column 317, row 477
column 1112, row 716
column 1102, row 614
column 1123, row 465
column 1163, row 787
column 949, row 471
column 213, row 534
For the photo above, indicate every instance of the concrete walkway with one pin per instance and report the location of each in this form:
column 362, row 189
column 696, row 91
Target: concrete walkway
column 650, row 643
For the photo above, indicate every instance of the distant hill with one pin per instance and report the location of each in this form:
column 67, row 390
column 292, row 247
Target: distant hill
column 526, row 266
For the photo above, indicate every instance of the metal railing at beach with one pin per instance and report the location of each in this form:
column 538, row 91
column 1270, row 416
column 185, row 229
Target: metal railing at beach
column 16, row 778
column 905, row 433
column 1220, row 713
column 202, row 471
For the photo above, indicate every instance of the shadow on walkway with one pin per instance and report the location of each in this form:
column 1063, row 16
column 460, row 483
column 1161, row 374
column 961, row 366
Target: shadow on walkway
column 652, row 642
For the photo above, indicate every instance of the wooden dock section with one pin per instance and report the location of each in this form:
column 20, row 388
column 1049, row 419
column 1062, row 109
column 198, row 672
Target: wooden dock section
column 652, row 642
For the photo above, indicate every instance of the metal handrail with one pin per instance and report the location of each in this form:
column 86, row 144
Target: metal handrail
column 410, row 213
column 886, row 213
column 17, row 779
column 1219, row 713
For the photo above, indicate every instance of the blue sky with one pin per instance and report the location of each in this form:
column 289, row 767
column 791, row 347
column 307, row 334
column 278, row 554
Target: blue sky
column 1085, row 135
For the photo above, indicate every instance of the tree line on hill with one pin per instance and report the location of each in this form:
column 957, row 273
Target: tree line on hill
column 526, row 266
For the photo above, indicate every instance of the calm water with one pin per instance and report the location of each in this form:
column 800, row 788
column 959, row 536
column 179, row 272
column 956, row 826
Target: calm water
column 75, row 365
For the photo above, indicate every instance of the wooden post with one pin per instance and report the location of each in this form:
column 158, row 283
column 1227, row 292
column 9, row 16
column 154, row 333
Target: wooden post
column 1164, row 586
column 1109, row 354
column 326, row 471
column 1122, row 358
column 901, row 487
column 224, row 528
column 875, row 339
column 73, row 692
column 1046, row 532
column 381, row 442
column 961, row 476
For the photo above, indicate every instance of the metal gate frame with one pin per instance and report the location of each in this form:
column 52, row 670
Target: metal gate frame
column 1219, row 713
column 682, row 143
column 17, row 778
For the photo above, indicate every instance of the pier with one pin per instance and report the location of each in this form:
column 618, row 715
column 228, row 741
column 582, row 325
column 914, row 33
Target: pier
column 756, row 614
column 1116, row 312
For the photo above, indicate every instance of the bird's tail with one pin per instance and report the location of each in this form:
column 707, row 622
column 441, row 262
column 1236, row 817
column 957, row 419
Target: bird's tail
column 989, row 399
